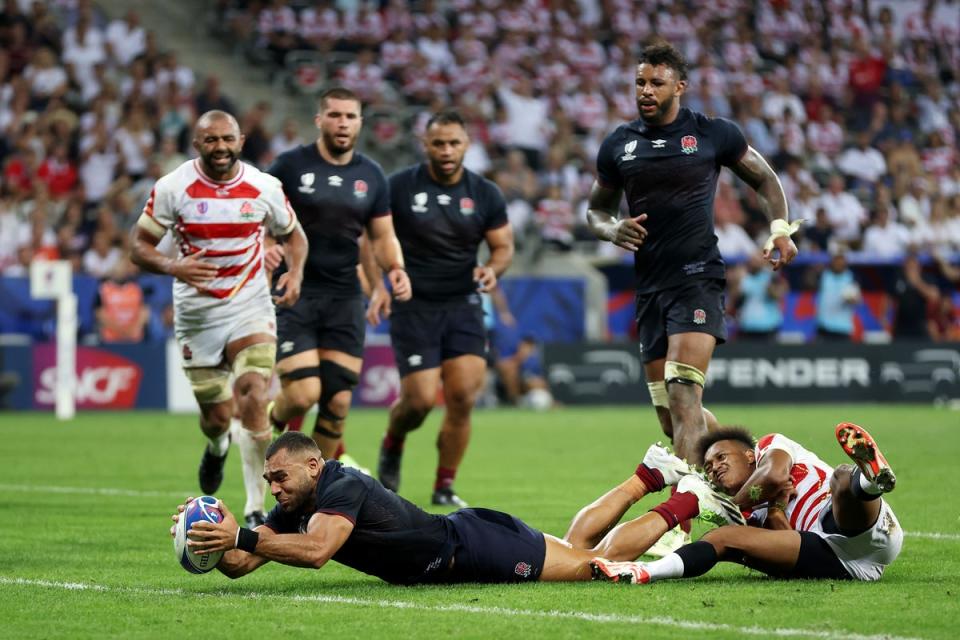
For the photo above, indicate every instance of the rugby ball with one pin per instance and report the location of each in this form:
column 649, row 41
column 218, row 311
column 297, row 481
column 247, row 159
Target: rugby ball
column 199, row 509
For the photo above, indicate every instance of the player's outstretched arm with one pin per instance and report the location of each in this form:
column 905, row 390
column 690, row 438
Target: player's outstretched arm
column 605, row 223
column 295, row 256
column 755, row 171
column 326, row 533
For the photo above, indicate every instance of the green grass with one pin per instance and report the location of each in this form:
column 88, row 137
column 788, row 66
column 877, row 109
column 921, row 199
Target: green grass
column 115, row 548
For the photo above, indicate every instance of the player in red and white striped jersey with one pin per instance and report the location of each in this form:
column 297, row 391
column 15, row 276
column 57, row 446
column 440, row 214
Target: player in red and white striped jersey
column 810, row 520
column 217, row 208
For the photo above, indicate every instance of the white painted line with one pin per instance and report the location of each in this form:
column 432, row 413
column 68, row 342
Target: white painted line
column 130, row 493
column 583, row 616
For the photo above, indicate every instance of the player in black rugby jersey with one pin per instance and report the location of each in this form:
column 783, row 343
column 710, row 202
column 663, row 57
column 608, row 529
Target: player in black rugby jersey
column 442, row 213
column 338, row 195
column 326, row 511
column 667, row 163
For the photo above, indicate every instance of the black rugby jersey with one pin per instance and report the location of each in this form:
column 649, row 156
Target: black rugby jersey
column 334, row 204
column 392, row 538
column 440, row 229
column 670, row 173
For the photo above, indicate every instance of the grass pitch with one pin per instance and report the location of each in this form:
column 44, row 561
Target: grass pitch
column 84, row 549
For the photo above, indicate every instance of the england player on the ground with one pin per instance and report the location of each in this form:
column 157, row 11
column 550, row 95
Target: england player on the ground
column 442, row 213
column 338, row 194
column 217, row 209
column 326, row 511
column 811, row 521
column 667, row 162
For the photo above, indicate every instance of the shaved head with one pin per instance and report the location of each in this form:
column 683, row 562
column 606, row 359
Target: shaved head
column 210, row 117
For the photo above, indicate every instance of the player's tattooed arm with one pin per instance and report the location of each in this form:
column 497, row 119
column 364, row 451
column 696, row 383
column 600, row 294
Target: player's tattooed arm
column 770, row 480
column 755, row 171
column 604, row 221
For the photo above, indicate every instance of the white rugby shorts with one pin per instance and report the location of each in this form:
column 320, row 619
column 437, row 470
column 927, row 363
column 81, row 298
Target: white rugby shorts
column 202, row 347
column 866, row 555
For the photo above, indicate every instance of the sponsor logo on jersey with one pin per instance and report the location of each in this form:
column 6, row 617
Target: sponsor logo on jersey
column 466, row 206
column 420, row 202
column 335, row 181
column 202, row 207
column 523, row 569
column 306, row 183
column 688, row 144
column 699, row 316
column 360, row 189
column 659, row 143
column 628, row 150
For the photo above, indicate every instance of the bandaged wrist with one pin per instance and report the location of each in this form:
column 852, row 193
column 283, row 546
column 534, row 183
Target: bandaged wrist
column 780, row 228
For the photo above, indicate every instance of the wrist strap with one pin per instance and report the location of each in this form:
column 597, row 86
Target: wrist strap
column 247, row 539
column 780, row 228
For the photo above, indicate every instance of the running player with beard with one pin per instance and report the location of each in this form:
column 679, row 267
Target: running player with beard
column 667, row 163
column 443, row 213
column 217, row 209
column 338, row 195
column 810, row 520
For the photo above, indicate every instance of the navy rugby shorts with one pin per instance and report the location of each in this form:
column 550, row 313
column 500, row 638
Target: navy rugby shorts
column 695, row 306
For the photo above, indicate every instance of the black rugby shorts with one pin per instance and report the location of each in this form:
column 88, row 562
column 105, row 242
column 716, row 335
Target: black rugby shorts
column 423, row 336
column 321, row 322
column 695, row 306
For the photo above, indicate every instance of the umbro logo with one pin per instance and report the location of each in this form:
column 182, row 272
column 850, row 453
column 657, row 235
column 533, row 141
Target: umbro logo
column 658, row 144
column 443, row 199
column 286, row 346
column 415, row 360
column 334, row 181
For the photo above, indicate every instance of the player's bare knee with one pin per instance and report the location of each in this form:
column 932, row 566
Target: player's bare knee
column 215, row 418
column 840, row 480
column 460, row 401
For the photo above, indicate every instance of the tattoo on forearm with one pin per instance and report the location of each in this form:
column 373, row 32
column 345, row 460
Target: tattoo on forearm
column 755, row 492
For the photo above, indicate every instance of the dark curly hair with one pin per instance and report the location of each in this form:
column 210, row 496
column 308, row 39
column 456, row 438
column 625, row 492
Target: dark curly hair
column 667, row 55
column 726, row 432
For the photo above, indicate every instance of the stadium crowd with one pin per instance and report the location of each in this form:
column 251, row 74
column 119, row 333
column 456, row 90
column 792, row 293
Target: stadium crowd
column 857, row 103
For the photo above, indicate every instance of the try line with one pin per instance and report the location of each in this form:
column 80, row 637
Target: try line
column 582, row 616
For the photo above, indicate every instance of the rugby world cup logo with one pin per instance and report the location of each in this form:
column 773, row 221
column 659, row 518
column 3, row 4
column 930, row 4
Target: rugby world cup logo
column 688, row 144
column 420, row 202
column 306, row 183
column 628, row 150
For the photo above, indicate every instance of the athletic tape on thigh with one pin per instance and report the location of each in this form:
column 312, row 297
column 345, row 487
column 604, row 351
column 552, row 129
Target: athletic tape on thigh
column 301, row 374
column 334, row 378
column 658, row 394
column 682, row 373
column 210, row 386
column 257, row 358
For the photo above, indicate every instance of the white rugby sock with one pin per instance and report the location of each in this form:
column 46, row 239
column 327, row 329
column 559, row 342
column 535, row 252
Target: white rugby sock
column 669, row 566
column 219, row 445
column 252, row 450
column 868, row 485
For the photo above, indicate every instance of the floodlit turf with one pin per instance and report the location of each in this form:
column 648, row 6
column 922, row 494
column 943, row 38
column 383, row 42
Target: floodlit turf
column 84, row 549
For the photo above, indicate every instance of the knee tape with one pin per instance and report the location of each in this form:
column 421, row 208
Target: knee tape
column 210, row 386
column 682, row 373
column 301, row 374
column 658, row 394
column 257, row 358
column 334, row 378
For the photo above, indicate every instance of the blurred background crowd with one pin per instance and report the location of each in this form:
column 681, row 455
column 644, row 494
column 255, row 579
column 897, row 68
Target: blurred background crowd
column 856, row 103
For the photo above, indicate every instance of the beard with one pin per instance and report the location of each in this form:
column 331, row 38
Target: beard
column 210, row 162
column 336, row 148
column 657, row 115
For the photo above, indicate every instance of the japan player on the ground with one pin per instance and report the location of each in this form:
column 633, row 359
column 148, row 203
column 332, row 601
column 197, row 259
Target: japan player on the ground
column 217, row 209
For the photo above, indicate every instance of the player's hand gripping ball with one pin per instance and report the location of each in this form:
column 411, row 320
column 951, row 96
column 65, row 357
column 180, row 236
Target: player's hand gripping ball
column 197, row 510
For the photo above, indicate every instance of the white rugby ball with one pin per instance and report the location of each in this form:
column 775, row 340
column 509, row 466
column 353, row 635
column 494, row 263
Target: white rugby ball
column 199, row 509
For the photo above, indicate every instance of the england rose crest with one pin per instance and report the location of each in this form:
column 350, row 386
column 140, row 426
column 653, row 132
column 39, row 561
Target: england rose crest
column 688, row 144
column 466, row 206
column 359, row 189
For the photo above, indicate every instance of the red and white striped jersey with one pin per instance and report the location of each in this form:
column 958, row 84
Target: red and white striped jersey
column 811, row 478
column 226, row 220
